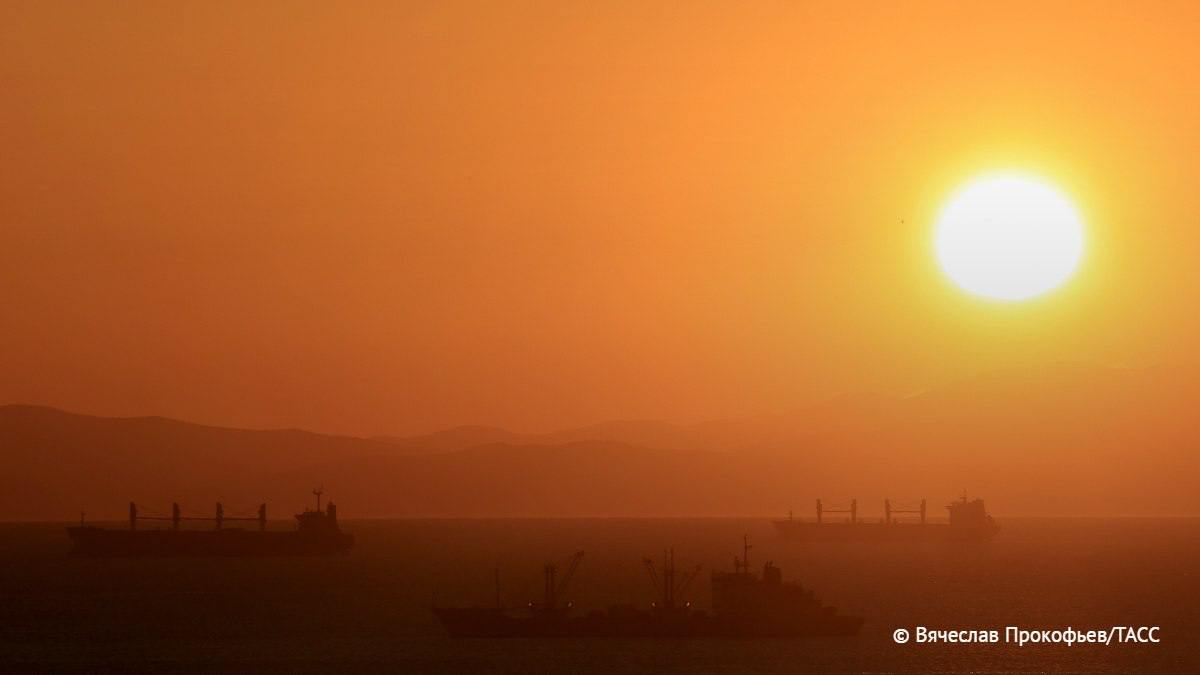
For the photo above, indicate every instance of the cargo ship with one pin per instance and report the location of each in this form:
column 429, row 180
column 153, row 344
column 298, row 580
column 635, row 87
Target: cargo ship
column 744, row 605
column 316, row 533
column 969, row 522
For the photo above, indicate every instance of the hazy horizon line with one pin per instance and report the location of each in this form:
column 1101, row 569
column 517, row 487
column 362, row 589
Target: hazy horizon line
column 433, row 430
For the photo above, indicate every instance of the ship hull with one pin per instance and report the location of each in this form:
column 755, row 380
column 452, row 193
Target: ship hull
column 92, row 542
column 498, row 624
column 883, row 532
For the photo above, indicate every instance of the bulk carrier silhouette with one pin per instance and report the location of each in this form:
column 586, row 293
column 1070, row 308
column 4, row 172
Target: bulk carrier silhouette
column 969, row 522
column 744, row 604
column 317, row 533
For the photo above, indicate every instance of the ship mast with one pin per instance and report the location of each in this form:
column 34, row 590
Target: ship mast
column 853, row 511
column 667, row 582
column 889, row 511
column 176, row 518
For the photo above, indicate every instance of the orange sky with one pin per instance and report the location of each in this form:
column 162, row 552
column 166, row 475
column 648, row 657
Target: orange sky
column 389, row 218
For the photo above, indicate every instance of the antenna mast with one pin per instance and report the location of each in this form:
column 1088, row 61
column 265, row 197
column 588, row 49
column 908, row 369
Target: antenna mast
column 743, row 565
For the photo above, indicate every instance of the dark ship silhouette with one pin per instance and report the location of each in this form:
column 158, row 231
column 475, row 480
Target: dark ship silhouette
column 969, row 522
column 316, row 533
column 745, row 605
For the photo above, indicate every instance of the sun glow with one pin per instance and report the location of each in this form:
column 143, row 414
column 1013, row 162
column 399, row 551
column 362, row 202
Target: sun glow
column 1009, row 237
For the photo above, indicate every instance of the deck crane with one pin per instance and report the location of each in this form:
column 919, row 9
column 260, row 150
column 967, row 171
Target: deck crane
column 554, row 590
column 669, row 582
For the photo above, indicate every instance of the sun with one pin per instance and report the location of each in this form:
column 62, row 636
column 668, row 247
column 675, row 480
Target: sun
column 1009, row 237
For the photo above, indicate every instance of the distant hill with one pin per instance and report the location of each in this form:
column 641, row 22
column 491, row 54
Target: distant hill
column 58, row 463
column 583, row 478
column 646, row 433
column 450, row 440
column 1064, row 440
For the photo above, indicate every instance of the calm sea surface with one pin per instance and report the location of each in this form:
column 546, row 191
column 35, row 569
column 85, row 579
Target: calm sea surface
column 369, row 611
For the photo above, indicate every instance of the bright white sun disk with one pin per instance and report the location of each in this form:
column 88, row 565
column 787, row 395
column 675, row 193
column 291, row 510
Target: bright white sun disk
column 1009, row 237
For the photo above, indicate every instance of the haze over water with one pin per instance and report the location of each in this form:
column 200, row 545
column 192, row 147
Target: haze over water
column 370, row 610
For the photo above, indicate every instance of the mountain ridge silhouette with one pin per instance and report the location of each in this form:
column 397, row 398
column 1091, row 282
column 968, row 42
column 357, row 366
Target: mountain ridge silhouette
column 1068, row 440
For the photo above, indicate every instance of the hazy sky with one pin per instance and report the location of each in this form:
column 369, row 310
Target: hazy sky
column 393, row 217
